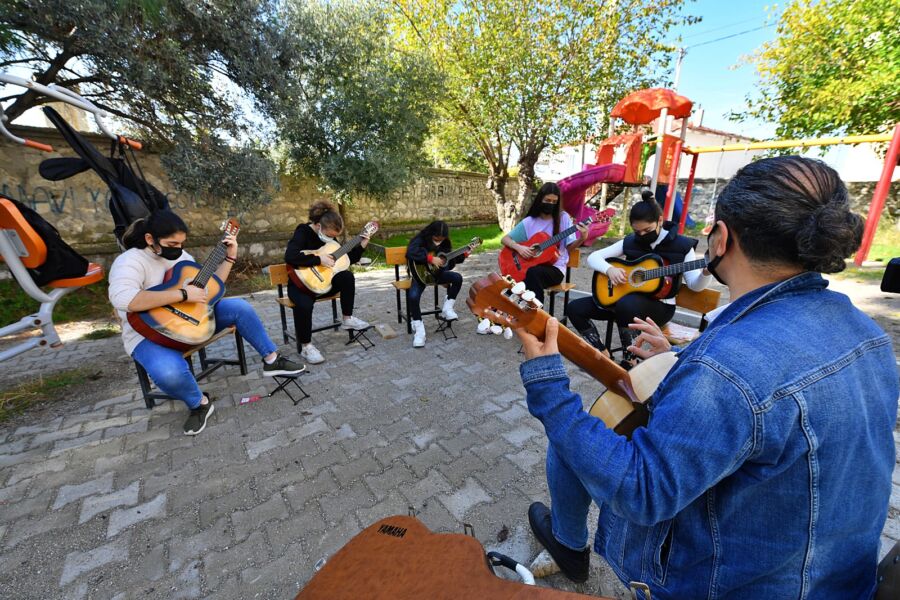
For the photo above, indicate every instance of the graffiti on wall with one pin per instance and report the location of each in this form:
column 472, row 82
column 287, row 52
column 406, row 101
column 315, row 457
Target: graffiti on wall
column 70, row 200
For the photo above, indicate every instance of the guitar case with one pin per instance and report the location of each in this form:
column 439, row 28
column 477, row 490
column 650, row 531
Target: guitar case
column 398, row 558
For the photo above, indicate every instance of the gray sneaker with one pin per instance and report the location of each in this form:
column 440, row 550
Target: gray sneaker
column 282, row 366
column 196, row 421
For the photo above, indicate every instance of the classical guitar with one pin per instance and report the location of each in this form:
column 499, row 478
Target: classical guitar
column 622, row 406
column 425, row 273
column 398, row 558
column 184, row 325
column 648, row 274
column 316, row 280
column 544, row 247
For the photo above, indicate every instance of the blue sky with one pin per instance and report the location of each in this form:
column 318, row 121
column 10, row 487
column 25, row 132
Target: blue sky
column 711, row 74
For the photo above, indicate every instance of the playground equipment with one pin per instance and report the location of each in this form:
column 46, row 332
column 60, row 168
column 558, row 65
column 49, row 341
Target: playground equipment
column 618, row 158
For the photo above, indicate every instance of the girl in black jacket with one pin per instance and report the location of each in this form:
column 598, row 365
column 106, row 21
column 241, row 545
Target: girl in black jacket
column 425, row 248
column 325, row 224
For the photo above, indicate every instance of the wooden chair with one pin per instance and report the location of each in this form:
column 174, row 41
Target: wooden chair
column 396, row 256
column 566, row 286
column 278, row 277
column 207, row 364
column 700, row 302
column 22, row 248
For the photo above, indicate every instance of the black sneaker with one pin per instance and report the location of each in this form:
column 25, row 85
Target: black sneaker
column 573, row 563
column 196, row 422
column 282, row 366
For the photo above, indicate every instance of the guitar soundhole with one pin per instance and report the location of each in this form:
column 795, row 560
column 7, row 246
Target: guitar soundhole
column 638, row 277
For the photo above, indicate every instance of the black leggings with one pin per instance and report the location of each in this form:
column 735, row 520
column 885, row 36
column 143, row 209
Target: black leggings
column 623, row 312
column 539, row 277
column 343, row 282
column 414, row 293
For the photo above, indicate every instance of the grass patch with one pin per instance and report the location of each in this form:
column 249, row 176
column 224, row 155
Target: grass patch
column 88, row 303
column 102, row 333
column 459, row 236
column 41, row 389
column 885, row 246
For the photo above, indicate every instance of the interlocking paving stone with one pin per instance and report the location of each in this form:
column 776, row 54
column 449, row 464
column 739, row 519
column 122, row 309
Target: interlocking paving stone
column 269, row 488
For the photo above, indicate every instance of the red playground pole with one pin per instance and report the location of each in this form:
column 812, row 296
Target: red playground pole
column 673, row 181
column 881, row 191
column 686, row 203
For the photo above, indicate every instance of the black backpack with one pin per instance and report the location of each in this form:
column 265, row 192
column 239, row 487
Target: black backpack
column 62, row 261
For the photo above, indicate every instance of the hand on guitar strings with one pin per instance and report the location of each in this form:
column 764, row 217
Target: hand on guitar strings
column 534, row 347
column 651, row 335
column 195, row 294
column 326, row 260
column 524, row 251
column 616, row 275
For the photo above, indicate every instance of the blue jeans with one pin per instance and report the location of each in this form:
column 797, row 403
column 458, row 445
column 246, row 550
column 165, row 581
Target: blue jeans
column 414, row 293
column 170, row 371
column 569, row 502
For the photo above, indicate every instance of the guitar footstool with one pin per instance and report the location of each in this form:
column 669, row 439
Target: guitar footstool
column 359, row 336
column 283, row 382
column 445, row 327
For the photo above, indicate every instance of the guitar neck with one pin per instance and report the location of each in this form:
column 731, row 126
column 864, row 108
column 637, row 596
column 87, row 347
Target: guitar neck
column 674, row 269
column 348, row 246
column 451, row 255
column 560, row 236
column 212, row 263
column 601, row 368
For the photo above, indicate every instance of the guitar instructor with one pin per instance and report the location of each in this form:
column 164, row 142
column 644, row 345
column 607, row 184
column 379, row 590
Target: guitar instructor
column 765, row 469
column 325, row 224
column 155, row 245
column 651, row 235
column 545, row 215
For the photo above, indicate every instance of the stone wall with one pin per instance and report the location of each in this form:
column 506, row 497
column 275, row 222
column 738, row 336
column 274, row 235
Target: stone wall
column 860, row 197
column 78, row 206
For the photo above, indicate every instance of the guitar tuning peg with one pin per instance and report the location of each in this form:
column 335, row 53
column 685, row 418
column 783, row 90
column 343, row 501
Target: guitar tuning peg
column 496, row 329
column 518, row 289
column 537, row 303
column 508, row 333
column 528, row 296
column 484, row 326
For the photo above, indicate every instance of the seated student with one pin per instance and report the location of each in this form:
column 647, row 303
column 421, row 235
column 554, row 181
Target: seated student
column 325, row 224
column 545, row 215
column 765, row 469
column 651, row 235
column 427, row 244
column 155, row 245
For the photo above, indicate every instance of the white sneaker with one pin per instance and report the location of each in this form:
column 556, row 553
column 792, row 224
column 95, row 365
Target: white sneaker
column 354, row 323
column 312, row 355
column 418, row 334
column 447, row 311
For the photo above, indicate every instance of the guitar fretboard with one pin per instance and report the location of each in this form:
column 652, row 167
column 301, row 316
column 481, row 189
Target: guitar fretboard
column 459, row 251
column 674, row 269
column 564, row 234
column 347, row 247
column 212, row 263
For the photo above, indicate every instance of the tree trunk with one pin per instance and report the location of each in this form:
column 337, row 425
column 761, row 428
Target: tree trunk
column 526, row 184
column 506, row 215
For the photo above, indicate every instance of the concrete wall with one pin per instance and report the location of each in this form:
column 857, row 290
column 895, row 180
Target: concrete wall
column 78, row 206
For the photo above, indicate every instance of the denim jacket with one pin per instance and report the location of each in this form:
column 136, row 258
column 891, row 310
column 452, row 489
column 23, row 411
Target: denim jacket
column 765, row 469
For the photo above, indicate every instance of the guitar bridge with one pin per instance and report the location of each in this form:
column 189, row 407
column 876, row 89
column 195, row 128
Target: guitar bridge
column 516, row 260
column 181, row 314
column 317, row 274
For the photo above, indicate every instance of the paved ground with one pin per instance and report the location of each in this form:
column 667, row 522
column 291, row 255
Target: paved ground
column 104, row 499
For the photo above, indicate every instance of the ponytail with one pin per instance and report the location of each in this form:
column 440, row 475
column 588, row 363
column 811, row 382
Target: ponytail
column 160, row 224
column 324, row 213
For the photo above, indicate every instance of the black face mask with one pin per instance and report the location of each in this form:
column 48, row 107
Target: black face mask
column 169, row 253
column 645, row 239
column 547, row 208
column 712, row 264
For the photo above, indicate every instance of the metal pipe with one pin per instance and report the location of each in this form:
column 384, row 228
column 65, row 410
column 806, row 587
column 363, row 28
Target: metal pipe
column 802, row 143
column 673, row 181
column 686, row 203
column 878, row 198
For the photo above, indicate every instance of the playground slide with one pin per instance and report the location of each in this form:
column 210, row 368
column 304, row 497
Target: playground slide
column 573, row 190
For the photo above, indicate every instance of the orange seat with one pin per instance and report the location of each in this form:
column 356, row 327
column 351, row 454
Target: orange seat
column 35, row 248
column 93, row 275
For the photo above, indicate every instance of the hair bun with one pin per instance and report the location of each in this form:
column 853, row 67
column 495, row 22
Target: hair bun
column 320, row 208
column 830, row 234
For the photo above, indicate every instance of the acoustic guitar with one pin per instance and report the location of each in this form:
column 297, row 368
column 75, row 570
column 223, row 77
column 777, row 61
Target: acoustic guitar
column 183, row 325
column 398, row 558
column 426, row 273
column 316, row 280
column 545, row 248
column 648, row 274
column 622, row 407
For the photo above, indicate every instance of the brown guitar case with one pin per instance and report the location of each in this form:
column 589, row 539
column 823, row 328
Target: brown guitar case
column 398, row 558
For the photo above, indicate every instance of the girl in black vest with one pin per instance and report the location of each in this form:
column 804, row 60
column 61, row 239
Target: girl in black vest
column 433, row 240
column 325, row 224
column 651, row 235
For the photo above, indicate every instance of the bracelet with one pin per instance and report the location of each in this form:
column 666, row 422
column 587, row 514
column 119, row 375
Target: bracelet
column 231, row 260
column 183, row 295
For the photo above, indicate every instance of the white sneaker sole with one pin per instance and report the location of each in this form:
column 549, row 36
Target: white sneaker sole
column 212, row 409
column 283, row 372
